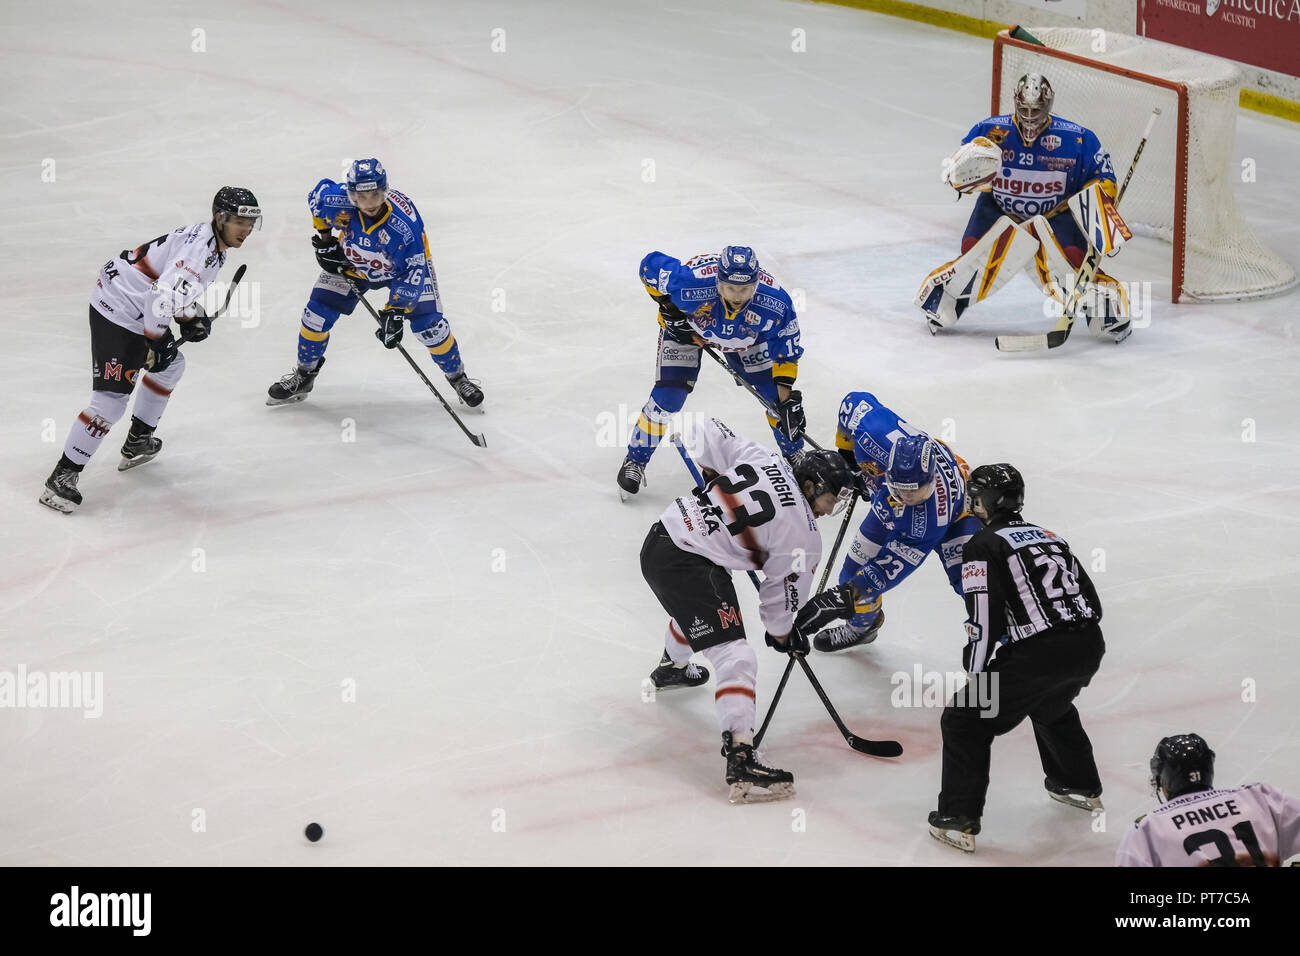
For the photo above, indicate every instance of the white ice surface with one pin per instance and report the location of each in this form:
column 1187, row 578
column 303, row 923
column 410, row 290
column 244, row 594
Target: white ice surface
column 512, row 695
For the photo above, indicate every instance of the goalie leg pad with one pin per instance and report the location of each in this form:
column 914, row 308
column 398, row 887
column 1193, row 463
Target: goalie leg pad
column 1104, row 304
column 1106, row 308
column 1052, row 267
column 975, row 275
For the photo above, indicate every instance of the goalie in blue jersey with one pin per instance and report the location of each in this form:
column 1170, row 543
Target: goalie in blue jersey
column 1037, row 179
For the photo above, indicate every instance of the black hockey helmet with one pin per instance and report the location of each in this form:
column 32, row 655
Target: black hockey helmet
column 997, row 488
column 828, row 472
column 236, row 201
column 1182, row 764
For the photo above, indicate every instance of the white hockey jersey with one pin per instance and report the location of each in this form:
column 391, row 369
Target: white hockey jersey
column 752, row 517
column 1251, row 825
column 145, row 288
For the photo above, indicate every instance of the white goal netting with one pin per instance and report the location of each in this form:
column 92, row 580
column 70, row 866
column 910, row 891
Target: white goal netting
column 1182, row 190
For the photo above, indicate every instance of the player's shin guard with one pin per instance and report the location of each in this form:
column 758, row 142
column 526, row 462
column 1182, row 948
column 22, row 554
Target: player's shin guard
column 93, row 424
column 787, row 446
column 442, row 347
column 975, row 275
column 311, row 345
column 675, row 644
column 664, row 402
column 735, row 669
column 866, row 611
column 156, row 390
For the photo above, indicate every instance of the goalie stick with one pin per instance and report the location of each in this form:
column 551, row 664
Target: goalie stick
column 478, row 440
column 872, row 748
column 1082, row 280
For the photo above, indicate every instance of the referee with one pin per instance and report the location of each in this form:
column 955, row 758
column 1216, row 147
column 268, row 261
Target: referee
column 1033, row 643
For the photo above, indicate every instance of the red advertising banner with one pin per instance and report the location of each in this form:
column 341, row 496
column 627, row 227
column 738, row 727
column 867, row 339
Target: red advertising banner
column 1262, row 33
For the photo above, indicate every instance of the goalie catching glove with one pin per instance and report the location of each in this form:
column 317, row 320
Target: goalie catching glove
column 973, row 166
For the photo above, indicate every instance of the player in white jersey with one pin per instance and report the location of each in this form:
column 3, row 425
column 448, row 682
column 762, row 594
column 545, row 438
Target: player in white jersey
column 1197, row 825
column 754, row 514
column 137, row 296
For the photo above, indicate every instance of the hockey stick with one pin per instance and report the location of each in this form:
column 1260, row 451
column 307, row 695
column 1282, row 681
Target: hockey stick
column 239, row 274
column 676, row 439
column 752, row 390
column 476, row 439
column 826, row 571
column 1082, row 280
column 873, row 748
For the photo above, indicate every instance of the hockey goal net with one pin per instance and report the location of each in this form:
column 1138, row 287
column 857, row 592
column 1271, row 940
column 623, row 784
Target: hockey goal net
column 1182, row 189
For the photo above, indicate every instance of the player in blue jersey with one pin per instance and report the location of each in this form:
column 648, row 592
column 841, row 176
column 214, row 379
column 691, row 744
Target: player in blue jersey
column 729, row 302
column 917, row 493
column 380, row 244
column 1024, row 166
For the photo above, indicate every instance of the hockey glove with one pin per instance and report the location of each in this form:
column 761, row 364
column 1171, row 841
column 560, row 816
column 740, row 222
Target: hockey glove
column 677, row 324
column 793, row 643
column 390, row 327
column 196, row 329
column 793, row 421
column 329, row 254
column 162, row 352
column 865, row 484
column 835, row 604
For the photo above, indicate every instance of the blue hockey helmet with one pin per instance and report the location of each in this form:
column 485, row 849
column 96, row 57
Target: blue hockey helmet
column 910, row 471
column 366, row 175
column 737, row 278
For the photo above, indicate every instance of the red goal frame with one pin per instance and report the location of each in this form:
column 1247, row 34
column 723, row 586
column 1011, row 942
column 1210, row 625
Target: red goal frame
column 1003, row 40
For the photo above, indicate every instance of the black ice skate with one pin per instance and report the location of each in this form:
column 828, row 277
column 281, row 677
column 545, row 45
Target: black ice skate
column 295, row 386
column 61, row 492
column 744, row 773
column 1089, row 800
column 140, row 446
column 958, row 832
column 668, row 674
column 631, row 477
column 467, row 391
column 846, row 635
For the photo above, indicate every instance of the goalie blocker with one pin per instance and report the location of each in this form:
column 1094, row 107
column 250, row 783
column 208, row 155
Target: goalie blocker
column 1035, row 246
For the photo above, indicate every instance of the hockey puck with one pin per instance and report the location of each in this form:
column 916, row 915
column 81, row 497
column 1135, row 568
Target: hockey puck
column 313, row 832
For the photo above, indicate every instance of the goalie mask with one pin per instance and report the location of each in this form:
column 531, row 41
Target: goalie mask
column 1033, row 101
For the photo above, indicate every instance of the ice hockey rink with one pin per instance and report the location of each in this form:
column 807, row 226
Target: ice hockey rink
column 343, row 612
